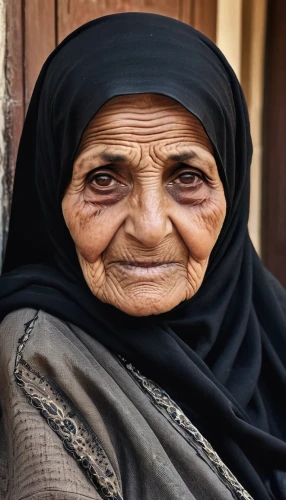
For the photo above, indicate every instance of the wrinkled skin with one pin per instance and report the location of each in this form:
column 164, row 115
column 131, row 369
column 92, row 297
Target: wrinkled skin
column 145, row 204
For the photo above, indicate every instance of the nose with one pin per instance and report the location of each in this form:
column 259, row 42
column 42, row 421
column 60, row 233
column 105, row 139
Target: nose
column 148, row 220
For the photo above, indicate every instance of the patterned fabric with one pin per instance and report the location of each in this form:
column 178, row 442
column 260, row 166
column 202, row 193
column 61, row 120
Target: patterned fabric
column 83, row 444
column 76, row 436
column 167, row 406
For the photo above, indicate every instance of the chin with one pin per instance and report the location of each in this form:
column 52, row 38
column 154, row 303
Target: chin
column 147, row 308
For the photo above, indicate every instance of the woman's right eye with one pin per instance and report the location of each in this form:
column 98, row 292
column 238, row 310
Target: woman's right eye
column 105, row 188
column 103, row 180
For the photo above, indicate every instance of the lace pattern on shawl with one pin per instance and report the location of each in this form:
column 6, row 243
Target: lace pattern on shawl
column 170, row 409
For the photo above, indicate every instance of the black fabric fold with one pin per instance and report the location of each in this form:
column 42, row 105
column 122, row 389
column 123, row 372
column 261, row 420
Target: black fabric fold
column 221, row 355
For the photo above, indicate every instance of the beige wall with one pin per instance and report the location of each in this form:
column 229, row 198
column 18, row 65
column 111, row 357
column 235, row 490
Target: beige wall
column 240, row 36
column 229, row 31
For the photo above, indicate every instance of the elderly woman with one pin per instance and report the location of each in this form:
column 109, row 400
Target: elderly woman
column 142, row 341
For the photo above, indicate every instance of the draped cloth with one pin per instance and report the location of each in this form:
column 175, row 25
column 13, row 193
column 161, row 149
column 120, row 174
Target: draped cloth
column 220, row 355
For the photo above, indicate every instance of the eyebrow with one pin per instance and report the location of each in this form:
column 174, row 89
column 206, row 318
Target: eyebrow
column 184, row 156
column 116, row 158
column 113, row 158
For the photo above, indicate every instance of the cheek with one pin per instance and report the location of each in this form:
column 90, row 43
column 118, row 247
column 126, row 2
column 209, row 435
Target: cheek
column 91, row 227
column 199, row 226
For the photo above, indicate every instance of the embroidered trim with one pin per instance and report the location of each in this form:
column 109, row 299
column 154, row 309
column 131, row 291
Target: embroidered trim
column 76, row 437
column 165, row 403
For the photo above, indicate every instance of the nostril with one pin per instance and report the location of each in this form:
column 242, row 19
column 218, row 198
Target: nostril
column 150, row 234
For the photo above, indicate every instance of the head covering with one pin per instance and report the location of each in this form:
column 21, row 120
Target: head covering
column 221, row 355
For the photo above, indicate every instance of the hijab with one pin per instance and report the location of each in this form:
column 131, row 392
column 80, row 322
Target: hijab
column 221, row 355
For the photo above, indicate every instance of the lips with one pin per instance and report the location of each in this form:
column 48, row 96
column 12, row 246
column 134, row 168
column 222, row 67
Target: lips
column 147, row 271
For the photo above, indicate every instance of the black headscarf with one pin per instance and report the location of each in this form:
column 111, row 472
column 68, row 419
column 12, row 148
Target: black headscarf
column 221, row 355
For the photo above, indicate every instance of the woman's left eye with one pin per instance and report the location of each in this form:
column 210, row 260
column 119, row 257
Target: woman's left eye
column 187, row 178
column 103, row 180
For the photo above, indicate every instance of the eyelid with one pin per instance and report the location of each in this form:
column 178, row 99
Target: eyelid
column 185, row 169
column 199, row 170
column 104, row 170
column 98, row 169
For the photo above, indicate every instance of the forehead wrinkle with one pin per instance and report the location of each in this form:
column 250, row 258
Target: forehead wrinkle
column 106, row 125
column 124, row 137
column 131, row 111
column 140, row 108
column 108, row 120
column 129, row 125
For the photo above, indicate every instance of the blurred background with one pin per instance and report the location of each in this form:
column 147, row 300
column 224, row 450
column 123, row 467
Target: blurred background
column 251, row 34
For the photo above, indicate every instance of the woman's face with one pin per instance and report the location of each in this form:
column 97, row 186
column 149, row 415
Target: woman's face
column 145, row 204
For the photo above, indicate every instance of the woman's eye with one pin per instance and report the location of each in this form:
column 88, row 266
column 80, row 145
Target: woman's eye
column 187, row 178
column 103, row 180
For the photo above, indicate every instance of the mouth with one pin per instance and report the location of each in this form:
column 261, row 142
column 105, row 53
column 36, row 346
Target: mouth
column 146, row 270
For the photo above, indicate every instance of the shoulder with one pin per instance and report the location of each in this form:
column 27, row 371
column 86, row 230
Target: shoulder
column 16, row 319
column 13, row 329
column 14, row 324
column 25, row 361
